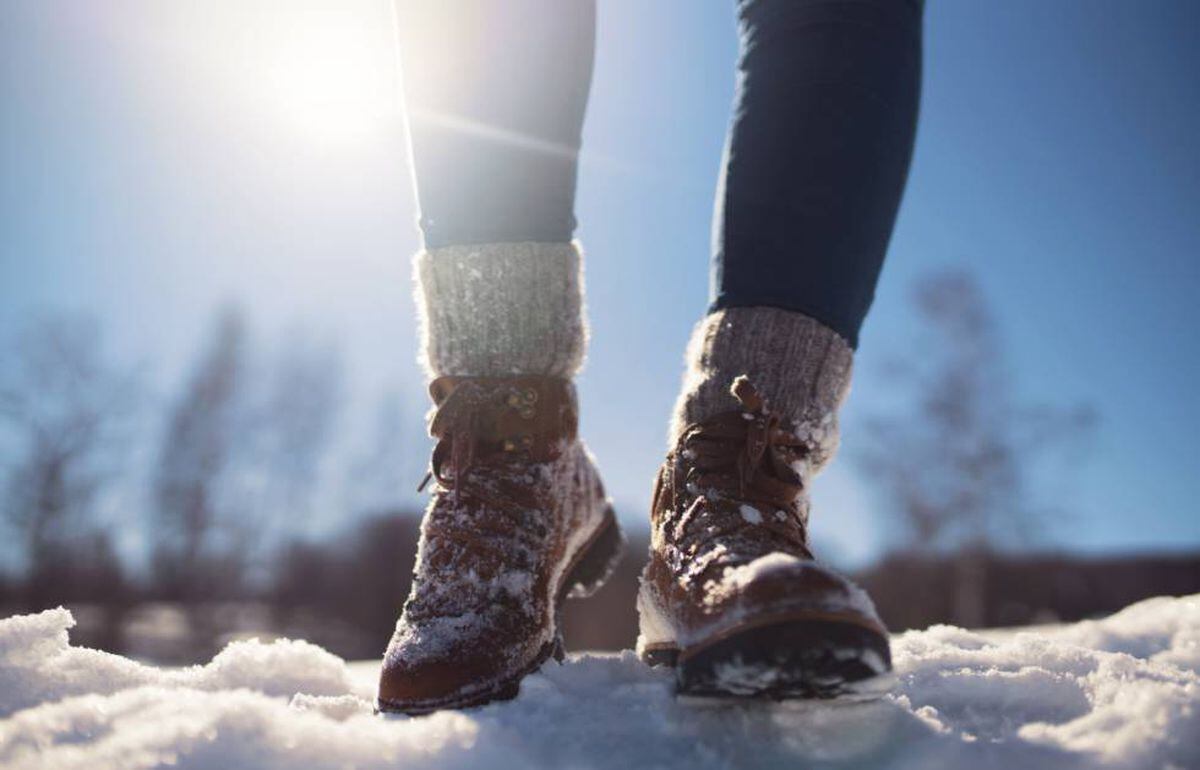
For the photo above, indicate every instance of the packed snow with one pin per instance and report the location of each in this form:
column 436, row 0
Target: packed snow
column 1120, row 692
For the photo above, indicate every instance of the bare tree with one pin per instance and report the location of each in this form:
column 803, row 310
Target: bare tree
column 294, row 418
column 66, row 413
column 384, row 475
column 195, row 552
column 241, row 459
column 955, row 461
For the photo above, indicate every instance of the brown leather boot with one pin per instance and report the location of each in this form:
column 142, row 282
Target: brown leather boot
column 732, row 596
column 518, row 522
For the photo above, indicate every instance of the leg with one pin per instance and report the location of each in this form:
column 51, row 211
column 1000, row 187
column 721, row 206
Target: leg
column 817, row 155
column 815, row 164
column 814, row 167
column 495, row 95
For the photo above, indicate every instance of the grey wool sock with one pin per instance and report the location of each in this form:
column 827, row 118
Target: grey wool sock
column 800, row 366
column 501, row 309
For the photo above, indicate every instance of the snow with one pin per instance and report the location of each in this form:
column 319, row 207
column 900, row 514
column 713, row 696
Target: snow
column 751, row 514
column 1119, row 692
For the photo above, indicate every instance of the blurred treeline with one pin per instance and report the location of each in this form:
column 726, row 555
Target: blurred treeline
column 212, row 543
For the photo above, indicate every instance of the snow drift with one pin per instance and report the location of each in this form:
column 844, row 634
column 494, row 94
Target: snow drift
column 1121, row 692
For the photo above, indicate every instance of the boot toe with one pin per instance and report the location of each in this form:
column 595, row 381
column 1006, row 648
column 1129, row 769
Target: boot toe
column 418, row 677
column 782, row 583
column 785, row 627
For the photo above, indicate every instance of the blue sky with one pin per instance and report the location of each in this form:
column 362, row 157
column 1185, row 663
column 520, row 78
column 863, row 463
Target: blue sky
column 160, row 159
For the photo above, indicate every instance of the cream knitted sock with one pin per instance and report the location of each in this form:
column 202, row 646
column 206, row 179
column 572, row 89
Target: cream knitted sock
column 800, row 367
column 500, row 309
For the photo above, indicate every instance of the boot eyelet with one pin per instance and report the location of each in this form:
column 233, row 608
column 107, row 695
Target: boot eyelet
column 530, row 396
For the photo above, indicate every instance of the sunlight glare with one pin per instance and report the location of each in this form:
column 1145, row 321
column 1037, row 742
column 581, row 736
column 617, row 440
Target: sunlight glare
column 333, row 81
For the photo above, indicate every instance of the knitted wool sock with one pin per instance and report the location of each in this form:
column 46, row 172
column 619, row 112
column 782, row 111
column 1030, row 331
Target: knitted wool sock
column 501, row 309
column 800, row 366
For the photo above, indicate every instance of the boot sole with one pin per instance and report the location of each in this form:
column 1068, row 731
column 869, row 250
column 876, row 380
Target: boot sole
column 596, row 561
column 588, row 570
column 782, row 659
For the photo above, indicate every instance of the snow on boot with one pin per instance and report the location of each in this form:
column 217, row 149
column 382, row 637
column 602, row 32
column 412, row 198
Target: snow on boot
column 732, row 595
column 518, row 522
column 518, row 518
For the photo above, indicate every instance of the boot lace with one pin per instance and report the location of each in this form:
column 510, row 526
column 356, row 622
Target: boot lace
column 493, row 517
column 730, row 461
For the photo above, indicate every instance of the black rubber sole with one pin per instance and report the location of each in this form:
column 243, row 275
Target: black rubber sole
column 795, row 659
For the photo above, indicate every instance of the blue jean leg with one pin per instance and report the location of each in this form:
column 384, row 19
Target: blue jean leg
column 817, row 155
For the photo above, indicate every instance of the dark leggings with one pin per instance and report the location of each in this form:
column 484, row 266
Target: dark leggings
column 815, row 162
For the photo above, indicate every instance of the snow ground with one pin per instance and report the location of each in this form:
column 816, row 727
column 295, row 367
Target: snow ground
column 1122, row 692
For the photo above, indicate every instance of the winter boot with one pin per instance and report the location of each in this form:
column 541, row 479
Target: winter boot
column 519, row 519
column 732, row 595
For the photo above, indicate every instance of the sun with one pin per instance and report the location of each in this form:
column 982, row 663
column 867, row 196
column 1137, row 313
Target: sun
column 332, row 77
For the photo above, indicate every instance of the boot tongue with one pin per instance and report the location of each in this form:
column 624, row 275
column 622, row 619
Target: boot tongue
column 499, row 408
column 479, row 417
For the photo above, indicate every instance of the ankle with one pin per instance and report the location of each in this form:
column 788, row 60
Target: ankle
column 801, row 368
column 501, row 309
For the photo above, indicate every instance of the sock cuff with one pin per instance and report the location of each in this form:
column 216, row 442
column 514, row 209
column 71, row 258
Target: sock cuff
column 500, row 309
column 801, row 367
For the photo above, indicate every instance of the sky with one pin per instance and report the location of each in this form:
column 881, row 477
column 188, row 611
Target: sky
column 163, row 159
